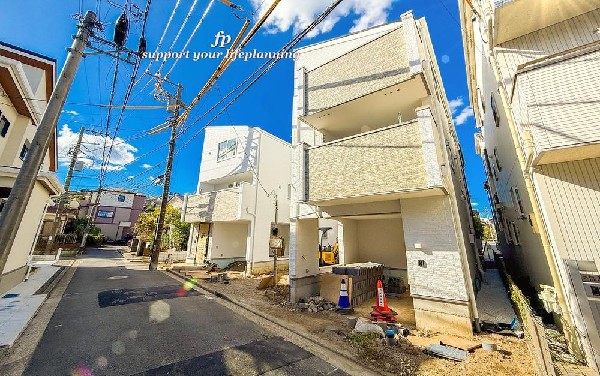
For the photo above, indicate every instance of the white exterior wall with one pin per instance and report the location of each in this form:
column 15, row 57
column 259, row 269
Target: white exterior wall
column 375, row 235
column 31, row 84
column 26, row 235
column 259, row 172
column 244, row 160
column 228, row 240
column 556, row 100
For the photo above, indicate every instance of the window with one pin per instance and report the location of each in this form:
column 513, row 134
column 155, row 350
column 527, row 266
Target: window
column 497, row 160
column 517, row 203
column 121, row 198
column 24, row 151
column 105, row 214
column 495, row 111
column 514, row 233
column 4, row 125
column 227, row 149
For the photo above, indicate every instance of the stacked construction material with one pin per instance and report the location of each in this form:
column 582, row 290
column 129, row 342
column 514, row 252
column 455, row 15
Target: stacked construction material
column 362, row 280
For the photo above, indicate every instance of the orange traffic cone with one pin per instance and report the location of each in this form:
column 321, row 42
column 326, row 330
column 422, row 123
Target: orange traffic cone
column 381, row 311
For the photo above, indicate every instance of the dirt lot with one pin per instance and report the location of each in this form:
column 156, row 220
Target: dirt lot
column 407, row 359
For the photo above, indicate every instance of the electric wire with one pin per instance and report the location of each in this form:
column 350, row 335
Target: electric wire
column 200, row 22
column 185, row 21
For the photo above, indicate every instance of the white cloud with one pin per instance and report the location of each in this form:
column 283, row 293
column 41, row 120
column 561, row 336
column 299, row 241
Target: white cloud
column 92, row 149
column 464, row 115
column 146, row 166
column 474, row 204
column 70, row 112
column 289, row 14
column 455, row 104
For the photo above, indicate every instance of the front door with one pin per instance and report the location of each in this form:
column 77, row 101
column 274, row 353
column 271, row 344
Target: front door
column 202, row 246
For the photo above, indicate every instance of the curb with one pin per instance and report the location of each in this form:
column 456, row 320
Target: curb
column 315, row 340
column 51, row 282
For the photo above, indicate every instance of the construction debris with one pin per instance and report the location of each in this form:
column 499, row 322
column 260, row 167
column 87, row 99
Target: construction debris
column 366, row 326
column 265, row 282
column 489, row 346
column 313, row 304
column 447, row 352
column 459, row 343
column 236, row 266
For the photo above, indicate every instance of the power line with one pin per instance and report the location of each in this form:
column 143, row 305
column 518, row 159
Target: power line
column 191, row 36
column 187, row 17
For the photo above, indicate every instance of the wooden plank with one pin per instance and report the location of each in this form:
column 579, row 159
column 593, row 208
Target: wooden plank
column 459, row 343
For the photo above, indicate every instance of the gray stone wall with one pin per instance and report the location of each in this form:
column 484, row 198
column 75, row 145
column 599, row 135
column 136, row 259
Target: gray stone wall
column 217, row 206
column 381, row 161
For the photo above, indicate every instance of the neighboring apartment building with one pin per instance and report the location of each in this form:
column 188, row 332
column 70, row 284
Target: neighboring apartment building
column 243, row 185
column 534, row 81
column 117, row 212
column 374, row 148
column 26, row 84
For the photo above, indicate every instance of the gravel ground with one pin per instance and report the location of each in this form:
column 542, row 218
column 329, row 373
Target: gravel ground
column 512, row 359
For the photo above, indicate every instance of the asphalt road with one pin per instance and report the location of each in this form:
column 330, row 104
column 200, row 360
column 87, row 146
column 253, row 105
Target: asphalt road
column 118, row 318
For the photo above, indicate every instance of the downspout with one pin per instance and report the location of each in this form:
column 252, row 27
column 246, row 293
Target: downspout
column 532, row 193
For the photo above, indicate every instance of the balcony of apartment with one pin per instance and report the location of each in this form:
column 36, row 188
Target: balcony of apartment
column 557, row 105
column 388, row 163
column 346, row 93
column 515, row 18
column 223, row 205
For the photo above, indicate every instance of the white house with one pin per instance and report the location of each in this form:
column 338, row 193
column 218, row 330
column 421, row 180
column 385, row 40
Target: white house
column 26, row 84
column 243, row 192
column 533, row 69
column 374, row 148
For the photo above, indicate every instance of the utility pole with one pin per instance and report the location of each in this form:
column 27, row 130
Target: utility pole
column 156, row 244
column 90, row 216
column 59, row 209
column 13, row 211
column 276, row 233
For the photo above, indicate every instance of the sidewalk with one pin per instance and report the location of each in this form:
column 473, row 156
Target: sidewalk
column 20, row 304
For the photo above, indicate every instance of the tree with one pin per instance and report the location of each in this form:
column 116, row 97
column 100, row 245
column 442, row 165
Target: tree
column 175, row 232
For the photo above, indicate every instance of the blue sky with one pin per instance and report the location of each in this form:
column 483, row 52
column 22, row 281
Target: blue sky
column 46, row 27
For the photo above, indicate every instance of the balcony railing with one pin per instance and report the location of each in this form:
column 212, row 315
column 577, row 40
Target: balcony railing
column 381, row 162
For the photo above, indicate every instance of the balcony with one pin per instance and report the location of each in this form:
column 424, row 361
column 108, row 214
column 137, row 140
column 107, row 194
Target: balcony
column 368, row 93
column 384, row 164
column 515, row 18
column 219, row 206
column 558, row 106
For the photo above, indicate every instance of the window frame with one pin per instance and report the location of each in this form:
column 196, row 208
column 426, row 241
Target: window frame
column 4, row 125
column 517, row 202
column 494, row 107
column 226, row 149
column 24, row 151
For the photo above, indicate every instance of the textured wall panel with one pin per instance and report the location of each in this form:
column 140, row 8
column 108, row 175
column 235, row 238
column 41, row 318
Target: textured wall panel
column 381, row 161
column 369, row 68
